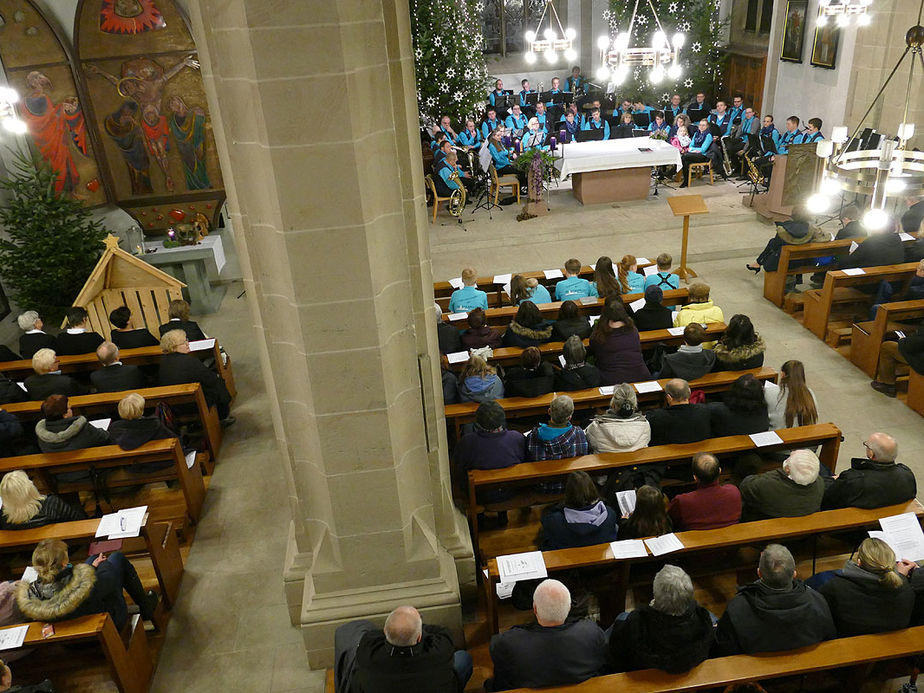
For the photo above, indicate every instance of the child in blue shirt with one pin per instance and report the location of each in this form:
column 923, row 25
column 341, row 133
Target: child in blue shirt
column 522, row 289
column 630, row 281
column 664, row 279
column 468, row 297
column 573, row 288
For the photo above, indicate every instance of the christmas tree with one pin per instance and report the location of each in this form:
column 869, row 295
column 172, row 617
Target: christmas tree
column 702, row 58
column 451, row 75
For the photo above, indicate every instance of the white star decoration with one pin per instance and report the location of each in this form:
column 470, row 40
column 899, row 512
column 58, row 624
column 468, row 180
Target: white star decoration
column 696, row 47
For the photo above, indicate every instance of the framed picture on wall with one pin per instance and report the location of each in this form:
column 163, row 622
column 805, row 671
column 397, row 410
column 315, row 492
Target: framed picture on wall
column 794, row 31
column 824, row 48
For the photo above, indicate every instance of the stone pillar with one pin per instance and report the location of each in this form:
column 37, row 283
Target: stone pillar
column 314, row 115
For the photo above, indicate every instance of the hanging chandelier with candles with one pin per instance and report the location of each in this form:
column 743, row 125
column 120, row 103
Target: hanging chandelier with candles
column 663, row 56
column 842, row 11
column 551, row 41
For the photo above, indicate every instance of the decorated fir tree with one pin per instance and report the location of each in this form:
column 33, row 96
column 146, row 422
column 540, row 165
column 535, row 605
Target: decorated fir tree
column 451, row 75
column 51, row 243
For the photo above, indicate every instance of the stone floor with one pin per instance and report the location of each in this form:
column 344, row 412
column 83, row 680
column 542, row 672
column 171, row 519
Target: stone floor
column 230, row 629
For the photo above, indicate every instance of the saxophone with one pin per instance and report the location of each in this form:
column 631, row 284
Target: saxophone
column 726, row 162
column 754, row 173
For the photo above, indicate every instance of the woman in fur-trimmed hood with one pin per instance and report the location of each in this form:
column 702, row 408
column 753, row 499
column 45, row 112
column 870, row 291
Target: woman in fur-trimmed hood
column 528, row 328
column 740, row 347
column 65, row 591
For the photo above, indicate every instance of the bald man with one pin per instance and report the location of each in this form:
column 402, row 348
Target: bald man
column 405, row 655
column 873, row 481
column 115, row 376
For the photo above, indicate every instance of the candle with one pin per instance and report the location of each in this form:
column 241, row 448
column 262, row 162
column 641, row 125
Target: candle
column 552, row 143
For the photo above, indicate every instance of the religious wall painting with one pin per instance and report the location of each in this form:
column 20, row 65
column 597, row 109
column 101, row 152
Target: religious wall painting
column 122, row 28
column 824, row 48
column 794, row 31
column 130, row 16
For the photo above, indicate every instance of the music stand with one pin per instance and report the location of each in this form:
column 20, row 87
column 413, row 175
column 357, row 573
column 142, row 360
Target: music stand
column 562, row 98
column 768, row 145
column 640, row 133
column 696, row 115
column 546, row 97
column 684, row 206
column 592, row 135
column 532, row 99
column 642, row 120
column 503, row 101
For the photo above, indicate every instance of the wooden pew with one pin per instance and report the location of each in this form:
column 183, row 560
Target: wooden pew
column 159, row 539
column 105, row 404
column 735, row 536
column 129, row 664
column 518, row 407
column 839, row 288
column 800, row 259
column 44, row 466
column 723, row 671
column 827, row 435
column 867, row 337
column 501, row 317
column 510, row 356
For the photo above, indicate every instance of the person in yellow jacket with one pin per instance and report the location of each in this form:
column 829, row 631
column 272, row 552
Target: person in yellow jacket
column 700, row 309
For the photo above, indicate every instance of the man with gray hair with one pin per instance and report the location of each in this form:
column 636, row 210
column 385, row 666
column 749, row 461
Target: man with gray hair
column 680, row 421
column 672, row 633
column 448, row 337
column 778, row 612
column 48, row 379
column 33, row 338
column 115, row 376
column 791, row 491
column 405, row 655
column 621, row 428
column 554, row 651
column 559, row 438
column 873, row 481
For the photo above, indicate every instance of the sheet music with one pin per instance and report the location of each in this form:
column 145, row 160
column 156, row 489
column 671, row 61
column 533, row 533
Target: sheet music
column 504, row 589
column 561, row 360
column 589, row 300
column 11, row 638
column 594, row 267
column 202, row 345
column 122, row 524
column 29, row 574
column 457, row 316
column 766, row 438
column 906, row 236
column 648, row 386
column 607, row 389
column 457, row 357
column 666, row 543
column 521, row 566
column 854, row 271
column 22, row 385
column 642, row 261
column 629, row 548
column 502, row 278
column 190, row 459
column 903, row 533
column 102, row 424
column 853, row 246
column 637, row 305
column 676, row 331
column 553, row 274
column 456, row 283
column 651, row 269
column 626, row 501
column 594, row 319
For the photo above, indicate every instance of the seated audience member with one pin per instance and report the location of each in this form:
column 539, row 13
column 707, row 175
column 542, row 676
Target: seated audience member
column 178, row 314
column 700, row 309
column 789, row 401
column 868, row 595
column 690, row 361
column 76, row 339
column 48, row 379
column 523, row 289
column 630, row 281
column 554, row 651
column 469, row 296
column 448, row 337
column 582, row 520
column 115, row 376
column 874, row 481
column 680, row 421
column 573, row 288
column 490, row 445
column 126, row 336
column 479, row 382
column 406, row 655
column 653, row 315
column 791, row 491
column 776, row 613
column 576, row 374
column 796, row 231
column 10, row 391
column 133, row 429
column 559, row 438
column 25, row 508
column 649, row 519
column 911, row 219
column 916, row 577
column 622, row 427
column 743, row 411
column 60, row 430
column 711, row 505
column 533, row 377
column 570, row 322
column 528, row 327
column 605, row 282
column 616, row 347
column 178, row 366
column 450, row 384
column 673, row 633
column 906, row 351
column 664, row 279
column 33, row 338
column 740, row 347
column 7, row 354
column 479, row 334
column 10, row 432
column 880, row 248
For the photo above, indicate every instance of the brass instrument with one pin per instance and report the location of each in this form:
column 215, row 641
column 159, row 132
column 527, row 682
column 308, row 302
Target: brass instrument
column 754, row 174
column 457, row 200
column 726, row 161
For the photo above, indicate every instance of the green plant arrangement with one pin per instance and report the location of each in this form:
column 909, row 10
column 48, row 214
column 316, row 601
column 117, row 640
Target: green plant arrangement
column 51, row 241
column 538, row 166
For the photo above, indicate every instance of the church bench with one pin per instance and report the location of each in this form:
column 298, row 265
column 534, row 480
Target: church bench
column 800, row 259
column 501, row 317
column 44, row 466
column 867, row 337
column 105, row 404
column 827, row 435
column 159, row 539
column 841, row 288
column 916, row 391
column 519, row 407
column 510, row 356
column 723, row 671
column 759, row 533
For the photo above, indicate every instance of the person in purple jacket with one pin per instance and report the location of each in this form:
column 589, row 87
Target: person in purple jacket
column 616, row 346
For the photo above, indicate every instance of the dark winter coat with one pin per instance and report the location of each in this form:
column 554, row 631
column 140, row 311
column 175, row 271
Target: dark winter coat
column 519, row 336
column 651, row 639
column 525, row 382
column 860, row 604
column 580, row 378
column 739, row 358
column 426, row 667
column 74, row 433
column 52, row 510
column 869, row 484
column 565, row 528
column 78, row 590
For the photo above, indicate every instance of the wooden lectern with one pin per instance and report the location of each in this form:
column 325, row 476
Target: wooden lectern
column 684, row 206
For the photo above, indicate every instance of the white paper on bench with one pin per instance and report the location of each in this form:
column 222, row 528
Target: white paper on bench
column 502, row 278
column 190, row 459
column 561, row 360
column 553, row 274
column 628, row 548
column 854, row 271
column 901, row 335
column 457, row 357
column 648, row 386
column 589, row 300
column 853, row 246
column 30, row 574
column 766, row 438
column 456, row 283
column 202, row 345
column 122, row 524
column 11, row 638
column 903, row 533
column 642, row 261
column 521, row 566
column 457, row 316
column 504, row 589
column 906, row 236
column 626, row 502
column 594, row 267
column 676, row 331
column 23, row 386
column 651, row 269
column 637, row 305
column 666, row 543
column 607, row 389
column 593, row 320
column 101, row 424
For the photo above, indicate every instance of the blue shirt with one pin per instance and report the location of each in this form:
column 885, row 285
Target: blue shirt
column 542, row 121
column 736, row 112
column 664, row 280
column 538, row 295
column 654, row 127
column 645, row 109
column 773, row 134
column 500, row 156
column 636, row 282
column 523, row 94
column 493, row 95
column 724, row 122
column 467, row 298
column 574, row 289
column 489, row 126
column 469, row 139
column 591, row 124
column 574, row 83
column 701, row 142
column 534, row 140
column 445, row 171
column 787, row 138
column 814, row 137
column 514, row 123
column 746, row 125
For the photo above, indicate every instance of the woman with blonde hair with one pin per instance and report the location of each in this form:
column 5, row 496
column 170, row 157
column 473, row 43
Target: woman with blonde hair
column 630, row 281
column 479, row 382
column 25, row 508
